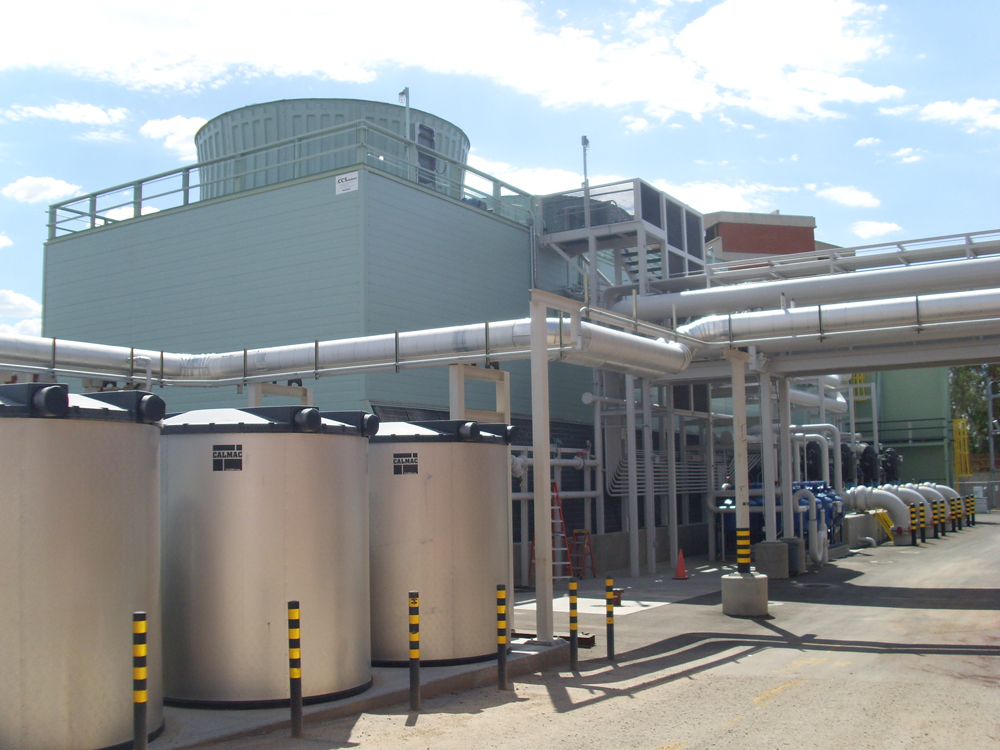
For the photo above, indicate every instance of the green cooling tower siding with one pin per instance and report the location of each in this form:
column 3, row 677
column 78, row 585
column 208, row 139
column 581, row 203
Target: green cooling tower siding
column 293, row 263
column 260, row 269
column 430, row 263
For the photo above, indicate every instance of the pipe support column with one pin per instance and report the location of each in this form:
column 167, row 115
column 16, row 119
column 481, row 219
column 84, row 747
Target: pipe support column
column 744, row 593
column 649, row 508
column 540, row 453
column 767, row 456
column 672, row 477
column 633, row 479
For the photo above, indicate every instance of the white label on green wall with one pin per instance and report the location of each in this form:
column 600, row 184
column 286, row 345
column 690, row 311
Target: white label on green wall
column 347, row 183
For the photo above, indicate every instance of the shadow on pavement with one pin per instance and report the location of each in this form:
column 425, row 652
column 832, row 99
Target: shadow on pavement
column 688, row 654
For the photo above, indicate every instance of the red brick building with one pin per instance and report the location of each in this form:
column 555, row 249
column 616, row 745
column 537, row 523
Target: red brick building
column 735, row 236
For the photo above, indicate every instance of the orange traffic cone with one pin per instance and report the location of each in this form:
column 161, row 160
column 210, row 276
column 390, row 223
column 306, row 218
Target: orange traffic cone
column 681, row 573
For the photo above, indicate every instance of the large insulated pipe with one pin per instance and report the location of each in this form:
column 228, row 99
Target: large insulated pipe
column 910, row 496
column 835, row 438
column 836, row 403
column 877, row 499
column 595, row 346
column 978, row 273
column 824, row 446
column 916, row 311
column 815, row 549
column 946, row 491
column 930, row 494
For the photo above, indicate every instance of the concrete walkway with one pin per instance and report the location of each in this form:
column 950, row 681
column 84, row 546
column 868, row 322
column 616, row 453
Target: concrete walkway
column 892, row 647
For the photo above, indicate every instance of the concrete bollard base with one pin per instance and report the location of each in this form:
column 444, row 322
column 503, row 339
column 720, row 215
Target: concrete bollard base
column 744, row 594
column 771, row 559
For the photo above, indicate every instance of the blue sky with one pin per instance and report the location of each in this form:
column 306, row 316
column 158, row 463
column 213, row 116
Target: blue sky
column 882, row 121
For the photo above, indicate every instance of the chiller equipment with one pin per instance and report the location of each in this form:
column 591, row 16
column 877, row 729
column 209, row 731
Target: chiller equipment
column 440, row 525
column 79, row 553
column 263, row 506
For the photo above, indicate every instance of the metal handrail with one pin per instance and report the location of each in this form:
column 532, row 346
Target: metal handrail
column 837, row 260
column 361, row 129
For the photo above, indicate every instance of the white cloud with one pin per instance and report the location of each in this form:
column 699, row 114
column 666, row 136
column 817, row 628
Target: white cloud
column 868, row 229
column 974, row 114
column 902, row 110
column 177, row 134
column 104, row 136
column 787, row 59
column 535, row 180
column 127, row 212
column 868, row 142
column 16, row 305
column 86, row 114
column 5, row 241
column 26, row 327
column 780, row 58
column 850, row 196
column 720, row 196
column 907, row 155
column 635, row 124
column 39, row 189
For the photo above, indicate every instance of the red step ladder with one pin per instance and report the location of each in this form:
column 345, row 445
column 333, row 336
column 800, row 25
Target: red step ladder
column 562, row 564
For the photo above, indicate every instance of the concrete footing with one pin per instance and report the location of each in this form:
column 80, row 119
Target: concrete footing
column 771, row 559
column 796, row 555
column 744, row 594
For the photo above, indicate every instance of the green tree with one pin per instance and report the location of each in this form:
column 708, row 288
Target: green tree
column 968, row 401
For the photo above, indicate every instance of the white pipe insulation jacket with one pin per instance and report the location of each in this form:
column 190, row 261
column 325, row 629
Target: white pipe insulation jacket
column 911, row 497
column 838, row 459
column 815, row 547
column 947, row 491
column 836, row 403
column 824, row 446
column 931, row 494
column 596, row 347
column 976, row 273
column 878, row 499
column 846, row 316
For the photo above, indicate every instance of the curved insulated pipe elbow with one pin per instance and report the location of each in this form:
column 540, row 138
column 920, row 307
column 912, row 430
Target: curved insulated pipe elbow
column 946, row 491
column 910, row 496
column 879, row 499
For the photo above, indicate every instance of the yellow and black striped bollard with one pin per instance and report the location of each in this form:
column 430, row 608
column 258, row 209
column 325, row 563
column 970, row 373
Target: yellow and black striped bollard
column 140, row 732
column 609, row 604
column 960, row 512
column 943, row 517
column 953, row 514
column 913, row 524
column 743, row 550
column 295, row 667
column 574, row 637
column 972, row 510
column 501, row 637
column 934, row 517
column 414, row 651
column 923, row 524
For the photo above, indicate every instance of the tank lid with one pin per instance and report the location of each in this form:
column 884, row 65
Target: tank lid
column 54, row 401
column 263, row 419
column 439, row 431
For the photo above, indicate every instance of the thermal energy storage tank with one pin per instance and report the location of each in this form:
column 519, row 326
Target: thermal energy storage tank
column 263, row 506
column 79, row 553
column 440, row 525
